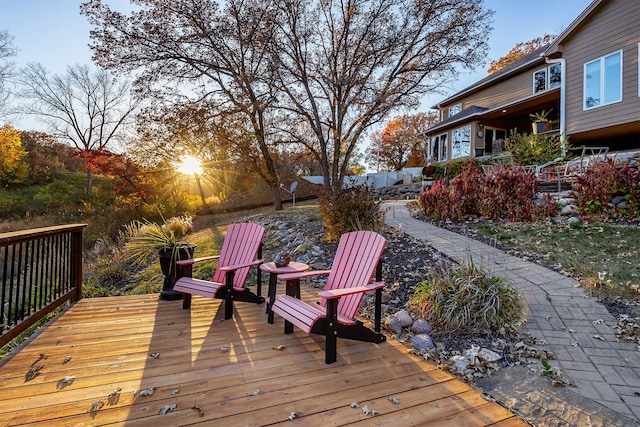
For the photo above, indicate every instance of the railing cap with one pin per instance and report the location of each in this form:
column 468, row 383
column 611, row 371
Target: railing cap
column 34, row 233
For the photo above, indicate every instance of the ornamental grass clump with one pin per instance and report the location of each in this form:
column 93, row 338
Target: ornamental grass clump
column 468, row 300
column 144, row 238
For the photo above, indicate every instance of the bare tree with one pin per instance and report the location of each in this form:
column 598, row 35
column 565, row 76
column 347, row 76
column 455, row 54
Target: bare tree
column 7, row 69
column 194, row 51
column 89, row 109
column 294, row 68
column 345, row 65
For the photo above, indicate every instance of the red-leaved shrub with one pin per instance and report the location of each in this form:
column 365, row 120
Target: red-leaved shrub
column 509, row 194
column 594, row 190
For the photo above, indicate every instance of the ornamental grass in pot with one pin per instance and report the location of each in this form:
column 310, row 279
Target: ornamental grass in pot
column 145, row 238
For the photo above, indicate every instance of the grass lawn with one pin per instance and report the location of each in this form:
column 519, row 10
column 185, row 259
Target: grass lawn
column 580, row 249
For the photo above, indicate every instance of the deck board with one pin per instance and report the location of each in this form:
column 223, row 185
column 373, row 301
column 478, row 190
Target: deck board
column 230, row 369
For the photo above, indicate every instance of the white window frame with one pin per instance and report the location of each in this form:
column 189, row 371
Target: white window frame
column 464, row 131
column 437, row 141
column 602, row 81
column 547, row 78
column 457, row 108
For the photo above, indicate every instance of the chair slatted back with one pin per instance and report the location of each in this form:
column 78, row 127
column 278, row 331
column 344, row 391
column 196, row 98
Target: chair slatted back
column 354, row 265
column 240, row 246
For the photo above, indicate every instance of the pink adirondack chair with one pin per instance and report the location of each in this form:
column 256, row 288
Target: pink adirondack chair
column 242, row 243
column 357, row 258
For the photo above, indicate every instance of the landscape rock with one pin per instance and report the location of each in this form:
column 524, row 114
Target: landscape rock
column 421, row 326
column 422, row 342
column 404, row 318
column 489, row 356
column 393, row 324
column 458, row 364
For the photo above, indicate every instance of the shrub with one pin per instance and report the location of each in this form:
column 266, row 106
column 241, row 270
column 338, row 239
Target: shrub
column 349, row 209
column 436, row 201
column 469, row 300
column 594, row 190
column 452, row 168
column 509, row 194
column 457, row 200
column 533, row 149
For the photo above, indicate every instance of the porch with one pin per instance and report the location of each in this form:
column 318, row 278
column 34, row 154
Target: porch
column 99, row 362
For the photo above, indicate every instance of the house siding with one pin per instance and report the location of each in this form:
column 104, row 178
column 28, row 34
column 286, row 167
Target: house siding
column 513, row 89
column 615, row 27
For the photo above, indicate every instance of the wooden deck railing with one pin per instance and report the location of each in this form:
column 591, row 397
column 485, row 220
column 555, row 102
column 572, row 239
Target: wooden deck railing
column 40, row 269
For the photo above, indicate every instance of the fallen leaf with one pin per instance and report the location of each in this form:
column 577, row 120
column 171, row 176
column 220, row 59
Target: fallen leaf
column 114, row 396
column 175, row 391
column 155, row 355
column 598, row 322
column 147, row 391
column 199, row 409
column 598, row 337
column 280, row 347
column 224, row 349
column 355, row 404
column 292, row 416
column 255, row 393
column 66, row 360
column 167, row 409
column 96, row 406
column 394, row 400
column 366, row 410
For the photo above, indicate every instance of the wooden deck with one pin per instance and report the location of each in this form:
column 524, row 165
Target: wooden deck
column 231, row 371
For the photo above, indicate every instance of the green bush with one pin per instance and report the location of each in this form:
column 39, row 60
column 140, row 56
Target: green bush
column 349, row 209
column 468, row 300
column 533, row 149
column 449, row 170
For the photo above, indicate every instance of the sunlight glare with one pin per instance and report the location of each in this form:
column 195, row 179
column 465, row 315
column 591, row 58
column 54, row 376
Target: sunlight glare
column 190, row 165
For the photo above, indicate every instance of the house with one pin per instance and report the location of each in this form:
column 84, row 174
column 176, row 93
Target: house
column 587, row 79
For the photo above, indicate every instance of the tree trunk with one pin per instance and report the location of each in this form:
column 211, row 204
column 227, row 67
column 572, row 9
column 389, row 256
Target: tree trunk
column 89, row 181
column 277, row 201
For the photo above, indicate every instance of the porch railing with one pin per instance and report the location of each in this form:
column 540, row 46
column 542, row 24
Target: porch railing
column 40, row 269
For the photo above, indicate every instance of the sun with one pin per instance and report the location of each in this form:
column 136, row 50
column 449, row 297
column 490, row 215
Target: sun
column 190, row 165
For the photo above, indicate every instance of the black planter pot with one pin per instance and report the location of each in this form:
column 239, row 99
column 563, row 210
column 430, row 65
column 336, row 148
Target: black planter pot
column 172, row 271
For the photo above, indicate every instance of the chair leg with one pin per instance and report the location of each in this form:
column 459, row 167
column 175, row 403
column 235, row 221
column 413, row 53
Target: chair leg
column 228, row 295
column 288, row 327
column 331, row 339
column 186, row 301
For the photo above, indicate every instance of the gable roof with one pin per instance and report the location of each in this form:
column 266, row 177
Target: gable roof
column 555, row 47
column 464, row 114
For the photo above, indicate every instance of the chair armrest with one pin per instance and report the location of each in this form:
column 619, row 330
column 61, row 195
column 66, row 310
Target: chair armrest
column 194, row 260
column 239, row 266
column 303, row 274
column 337, row 293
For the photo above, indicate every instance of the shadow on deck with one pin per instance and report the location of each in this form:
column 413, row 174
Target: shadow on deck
column 109, row 349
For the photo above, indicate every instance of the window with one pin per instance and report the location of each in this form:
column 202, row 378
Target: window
column 603, row 81
column 455, row 109
column 547, row 78
column 438, row 148
column 461, row 142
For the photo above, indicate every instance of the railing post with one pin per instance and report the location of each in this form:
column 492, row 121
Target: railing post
column 76, row 259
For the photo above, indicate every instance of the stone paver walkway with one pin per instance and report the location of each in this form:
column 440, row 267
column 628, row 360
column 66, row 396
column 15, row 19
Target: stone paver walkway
column 578, row 328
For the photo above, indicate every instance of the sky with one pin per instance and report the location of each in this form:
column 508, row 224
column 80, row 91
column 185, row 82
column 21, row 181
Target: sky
column 54, row 34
